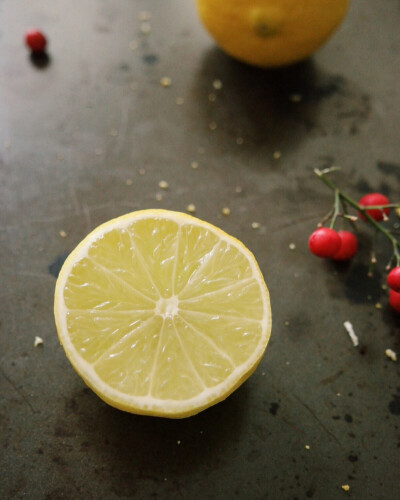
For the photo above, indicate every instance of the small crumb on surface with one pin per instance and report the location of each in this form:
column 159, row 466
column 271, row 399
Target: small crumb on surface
column 145, row 28
column 191, row 208
column 194, row 164
column 142, row 171
column 212, row 97
column 159, row 196
column 178, row 442
column 163, row 184
column 133, row 45
column 338, row 394
column 296, row 97
column 287, row 323
column 292, row 246
column 391, row 354
column 307, row 446
column 378, row 305
column 38, row 341
column 277, row 155
column 114, row 132
column 226, row 211
column 212, row 126
column 144, row 15
column 179, row 101
column 62, row 233
column 350, row 330
column 345, row 487
column 129, row 182
column 239, row 140
column 255, row 225
column 238, row 189
column 166, row 81
column 217, row 84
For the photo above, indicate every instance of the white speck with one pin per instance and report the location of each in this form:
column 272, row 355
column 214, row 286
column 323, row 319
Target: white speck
column 296, row 97
column 166, row 81
column 238, row 189
column 38, row 341
column 144, row 15
column 163, row 184
column 338, row 394
column 255, row 225
column 292, row 246
column 178, row 442
column 191, row 208
column 159, row 196
column 133, row 45
column 226, row 211
column 142, row 171
column 307, row 446
column 212, row 126
column 391, row 354
column 179, row 101
column 217, row 84
column 263, row 373
column 287, row 323
column 277, row 155
column 194, row 164
column 350, row 331
column 145, row 28
column 129, row 182
column 62, row 233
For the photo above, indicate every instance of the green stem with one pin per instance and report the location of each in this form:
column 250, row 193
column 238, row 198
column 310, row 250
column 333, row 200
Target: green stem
column 363, row 210
column 336, row 208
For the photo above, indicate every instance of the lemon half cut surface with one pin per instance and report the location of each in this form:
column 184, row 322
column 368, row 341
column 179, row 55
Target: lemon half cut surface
column 161, row 313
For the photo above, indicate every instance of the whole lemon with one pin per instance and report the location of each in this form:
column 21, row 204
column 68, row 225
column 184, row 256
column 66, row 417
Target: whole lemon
column 270, row 33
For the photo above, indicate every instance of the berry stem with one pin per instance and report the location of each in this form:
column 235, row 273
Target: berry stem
column 336, row 208
column 339, row 195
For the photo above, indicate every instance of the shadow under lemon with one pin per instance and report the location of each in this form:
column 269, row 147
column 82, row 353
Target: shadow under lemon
column 272, row 109
column 134, row 447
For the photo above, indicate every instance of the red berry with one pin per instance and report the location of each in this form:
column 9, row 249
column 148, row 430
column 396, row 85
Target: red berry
column 393, row 279
column 348, row 247
column 324, row 242
column 374, row 199
column 35, row 40
column 394, row 300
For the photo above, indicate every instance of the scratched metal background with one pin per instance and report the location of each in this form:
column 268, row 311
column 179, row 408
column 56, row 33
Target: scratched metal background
column 75, row 127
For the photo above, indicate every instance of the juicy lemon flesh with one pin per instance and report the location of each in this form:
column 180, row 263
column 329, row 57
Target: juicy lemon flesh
column 161, row 314
column 271, row 33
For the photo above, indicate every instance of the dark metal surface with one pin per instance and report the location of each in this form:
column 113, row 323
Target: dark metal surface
column 75, row 131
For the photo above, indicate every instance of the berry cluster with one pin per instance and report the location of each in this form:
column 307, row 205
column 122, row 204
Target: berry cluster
column 373, row 208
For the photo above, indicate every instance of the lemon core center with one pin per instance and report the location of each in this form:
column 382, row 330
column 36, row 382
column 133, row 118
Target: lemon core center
column 167, row 308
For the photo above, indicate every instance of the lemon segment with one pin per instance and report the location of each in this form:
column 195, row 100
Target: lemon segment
column 161, row 313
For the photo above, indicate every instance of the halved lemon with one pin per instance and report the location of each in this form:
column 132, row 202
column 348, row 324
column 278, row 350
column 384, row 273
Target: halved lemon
column 161, row 313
